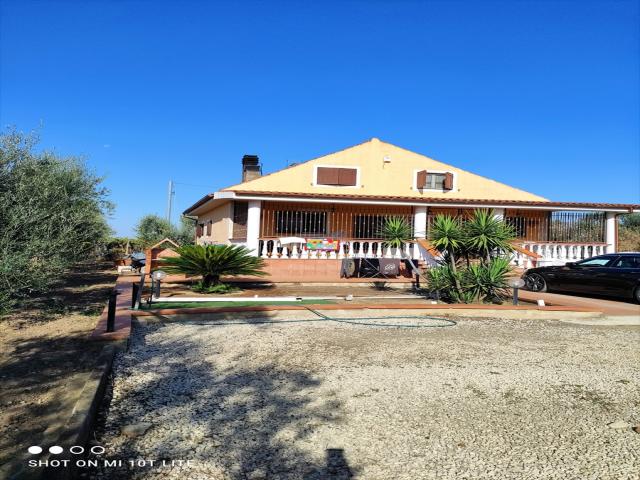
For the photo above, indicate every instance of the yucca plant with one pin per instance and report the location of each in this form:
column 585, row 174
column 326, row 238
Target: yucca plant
column 396, row 232
column 441, row 281
column 213, row 261
column 447, row 236
column 485, row 234
column 488, row 282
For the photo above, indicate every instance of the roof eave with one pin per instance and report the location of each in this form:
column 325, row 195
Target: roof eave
column 413, row 201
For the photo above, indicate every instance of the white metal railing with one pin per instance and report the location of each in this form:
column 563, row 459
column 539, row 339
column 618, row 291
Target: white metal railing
column 555, row 253
column 360, row 248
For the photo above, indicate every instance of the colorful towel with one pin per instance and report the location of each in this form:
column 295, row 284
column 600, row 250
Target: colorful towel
column 324, row 244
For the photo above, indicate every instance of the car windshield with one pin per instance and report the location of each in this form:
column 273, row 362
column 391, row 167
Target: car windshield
column 595, row 262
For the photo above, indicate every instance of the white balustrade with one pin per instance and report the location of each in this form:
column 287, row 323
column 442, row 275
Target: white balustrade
column 555, row 253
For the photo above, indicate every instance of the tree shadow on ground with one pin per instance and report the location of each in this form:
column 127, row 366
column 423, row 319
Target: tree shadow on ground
column 233, row 420
column 41, row 379
column 82, row 290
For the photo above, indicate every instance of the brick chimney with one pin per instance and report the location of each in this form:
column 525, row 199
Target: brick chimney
column 251, row 167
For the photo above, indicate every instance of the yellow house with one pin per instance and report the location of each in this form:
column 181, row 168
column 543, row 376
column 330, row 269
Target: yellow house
column 332, row 207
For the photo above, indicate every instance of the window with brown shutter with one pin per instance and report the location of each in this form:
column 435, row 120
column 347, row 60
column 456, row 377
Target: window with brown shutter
column 327, row 176
column 448, row 181
column 199, row 229
column 434, row 181
column 346, row 177
column 240, row 214
column 422, row 179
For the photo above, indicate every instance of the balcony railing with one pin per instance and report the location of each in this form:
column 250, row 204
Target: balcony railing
column 350, row 248
column 545, row 254
column 528, row 255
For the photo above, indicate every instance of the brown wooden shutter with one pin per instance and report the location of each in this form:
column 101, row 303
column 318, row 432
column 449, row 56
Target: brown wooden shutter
column 448, row 181
column 199, row 230
column 347, row 176
column 327, row 176
column 422, row 179
column 240, row 214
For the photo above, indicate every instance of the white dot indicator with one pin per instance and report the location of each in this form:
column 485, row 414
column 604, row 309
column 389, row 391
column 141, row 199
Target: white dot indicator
column 97, row 450
column 34, row 450
column 56, row 449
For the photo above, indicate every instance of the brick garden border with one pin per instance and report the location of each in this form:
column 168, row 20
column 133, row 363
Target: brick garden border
column 72, row 429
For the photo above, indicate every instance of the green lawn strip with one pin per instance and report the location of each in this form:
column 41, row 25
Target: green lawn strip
column 223, row 303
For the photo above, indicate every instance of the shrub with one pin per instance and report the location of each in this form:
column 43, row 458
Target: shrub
column 213, row 261
column 53, row 213
column 488, row 282
column 220, row 288
column 629, row 233
column 117, row 247
column 485, row 242
column 628, row 240
column 151, row 229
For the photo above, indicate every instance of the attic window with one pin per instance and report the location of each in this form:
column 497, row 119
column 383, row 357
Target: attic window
column 434, row 180
column 334, row 176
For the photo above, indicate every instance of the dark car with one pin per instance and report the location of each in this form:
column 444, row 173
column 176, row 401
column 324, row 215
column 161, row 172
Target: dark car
column 616, row 274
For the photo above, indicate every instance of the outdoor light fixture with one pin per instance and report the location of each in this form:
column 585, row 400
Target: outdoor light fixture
column 156, row 278
column 159, row 275
column 516, row 283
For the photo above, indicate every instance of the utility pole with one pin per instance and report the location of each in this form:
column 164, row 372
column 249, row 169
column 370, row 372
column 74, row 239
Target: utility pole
column 170, row 194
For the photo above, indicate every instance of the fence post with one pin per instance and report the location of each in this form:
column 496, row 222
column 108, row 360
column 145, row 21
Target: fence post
column 134, row 294
column 111, row 311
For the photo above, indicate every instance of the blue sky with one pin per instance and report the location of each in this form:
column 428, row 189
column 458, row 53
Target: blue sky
column 540, row 95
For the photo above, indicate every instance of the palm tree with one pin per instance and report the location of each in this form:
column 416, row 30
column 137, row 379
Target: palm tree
column 213, row 261
column 485, row 233
column 446, row 234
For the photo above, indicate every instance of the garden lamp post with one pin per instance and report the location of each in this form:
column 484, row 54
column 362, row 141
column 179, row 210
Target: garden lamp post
column 156, row 278
column 516, row 284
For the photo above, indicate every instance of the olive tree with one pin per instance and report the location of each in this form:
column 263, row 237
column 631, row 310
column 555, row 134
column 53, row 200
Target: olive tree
column 52, row 214
column 151, row 229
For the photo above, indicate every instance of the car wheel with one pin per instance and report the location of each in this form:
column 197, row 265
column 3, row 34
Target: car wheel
column 535, row 282
column 636, row 294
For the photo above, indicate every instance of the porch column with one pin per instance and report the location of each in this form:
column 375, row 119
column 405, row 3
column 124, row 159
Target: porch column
column 610, row 233
column 420, row 222
column 419, row 229
column 253, row 226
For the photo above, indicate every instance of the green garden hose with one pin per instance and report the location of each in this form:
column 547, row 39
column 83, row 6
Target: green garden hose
column 439, row 322
column 444, row 322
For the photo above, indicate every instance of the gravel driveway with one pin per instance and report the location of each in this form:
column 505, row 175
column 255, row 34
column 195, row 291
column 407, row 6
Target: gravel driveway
column 487, row 398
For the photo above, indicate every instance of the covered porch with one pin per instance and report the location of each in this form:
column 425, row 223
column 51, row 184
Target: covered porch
column 321, row 230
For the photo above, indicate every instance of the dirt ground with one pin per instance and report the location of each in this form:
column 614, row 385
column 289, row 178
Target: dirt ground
column 44, row 350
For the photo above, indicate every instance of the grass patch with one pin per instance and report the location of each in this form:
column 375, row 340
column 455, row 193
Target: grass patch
column 223, row 303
